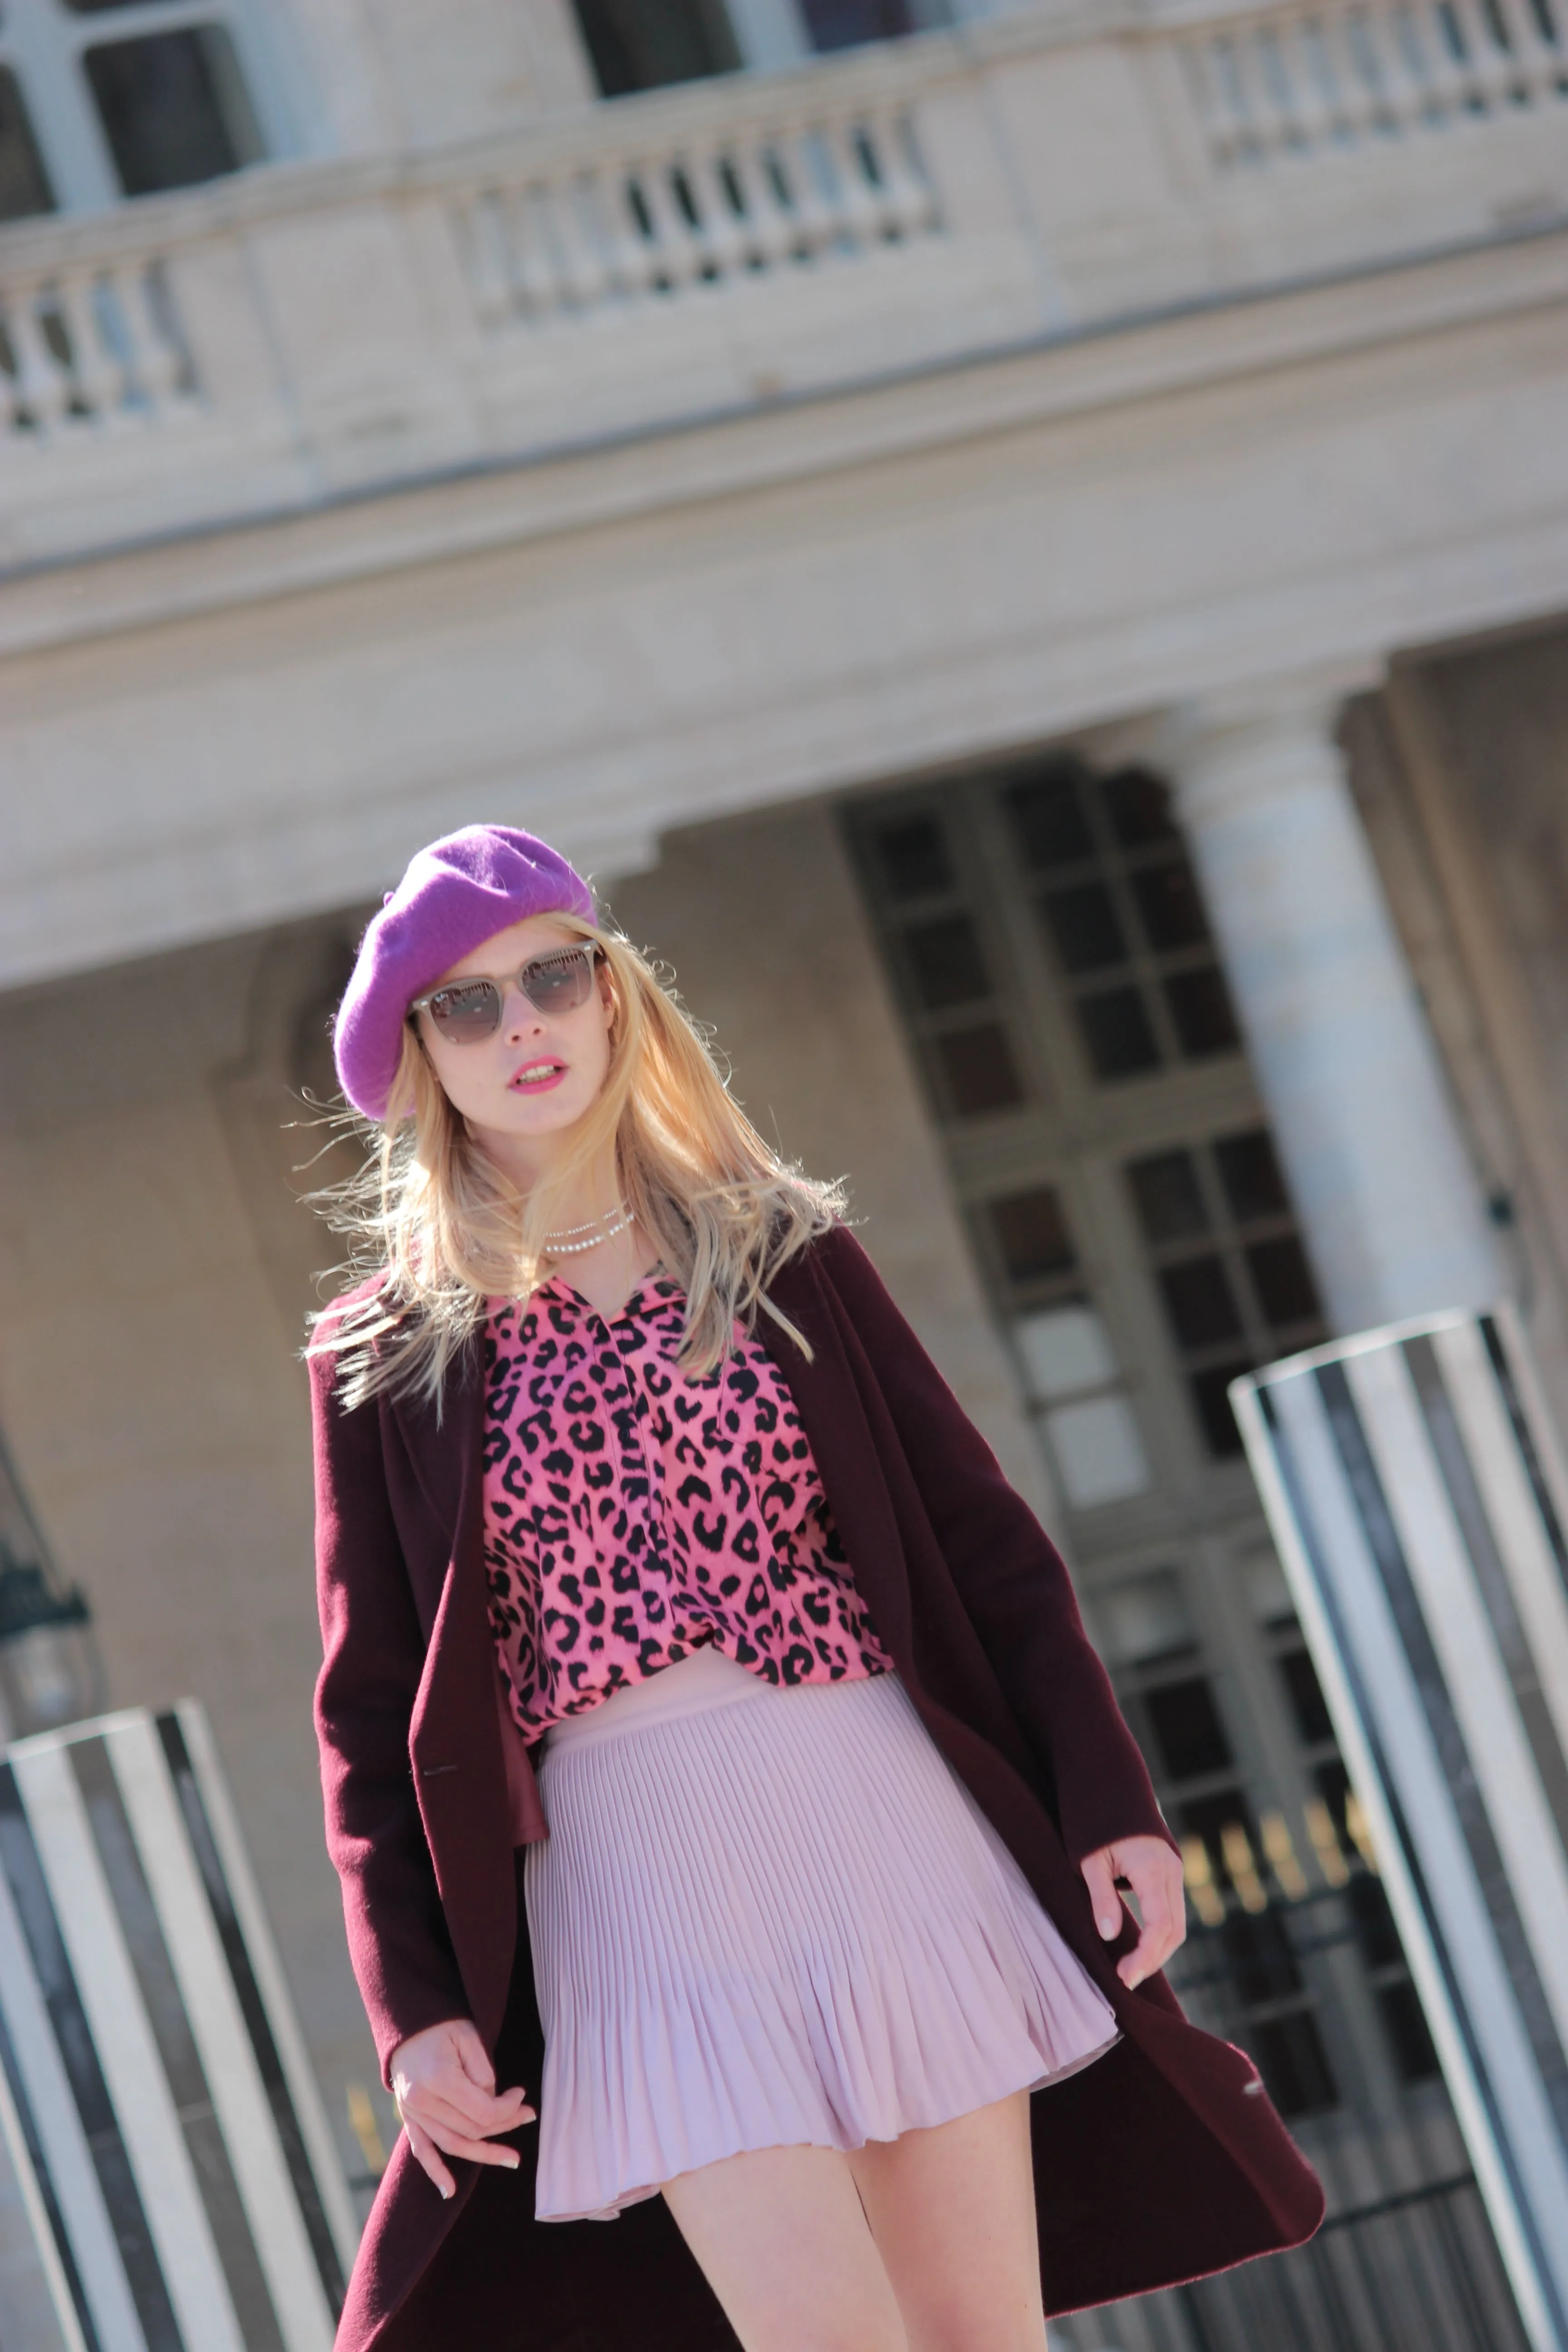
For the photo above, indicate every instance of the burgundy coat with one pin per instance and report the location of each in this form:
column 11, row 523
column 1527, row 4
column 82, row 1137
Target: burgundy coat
column 1161, row 2162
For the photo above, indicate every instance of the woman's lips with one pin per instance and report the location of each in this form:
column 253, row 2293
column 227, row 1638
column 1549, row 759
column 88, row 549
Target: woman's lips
column 537, row 1077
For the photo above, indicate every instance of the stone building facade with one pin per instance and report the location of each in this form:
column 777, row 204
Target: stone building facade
column 1025, row 550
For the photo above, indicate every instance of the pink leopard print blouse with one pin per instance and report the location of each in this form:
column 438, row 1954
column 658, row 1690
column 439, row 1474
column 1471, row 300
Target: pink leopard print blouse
column 633, row 1514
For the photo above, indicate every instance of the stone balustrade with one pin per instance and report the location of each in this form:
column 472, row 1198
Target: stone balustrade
column 1276, row 81
column 309, row 330
column 826, row 184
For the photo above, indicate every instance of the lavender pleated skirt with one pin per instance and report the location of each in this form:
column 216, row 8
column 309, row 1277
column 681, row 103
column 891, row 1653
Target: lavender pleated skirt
column 766, row 1917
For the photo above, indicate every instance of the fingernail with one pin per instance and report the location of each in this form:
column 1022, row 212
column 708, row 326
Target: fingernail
column 445, row 2193
column 515, row 2162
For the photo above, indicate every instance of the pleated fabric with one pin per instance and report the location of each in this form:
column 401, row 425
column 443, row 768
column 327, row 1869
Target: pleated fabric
column 770, row 1917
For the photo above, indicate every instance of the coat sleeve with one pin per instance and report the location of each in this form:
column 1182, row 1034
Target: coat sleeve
column 1010, row 1576
column 373, row 1656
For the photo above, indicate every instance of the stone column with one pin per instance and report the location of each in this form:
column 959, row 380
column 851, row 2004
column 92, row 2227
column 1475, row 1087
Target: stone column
column 1388, row 1197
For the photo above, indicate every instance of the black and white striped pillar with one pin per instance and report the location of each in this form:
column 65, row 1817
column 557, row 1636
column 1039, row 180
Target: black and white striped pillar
column 1420, row 1507
column 170, row 2180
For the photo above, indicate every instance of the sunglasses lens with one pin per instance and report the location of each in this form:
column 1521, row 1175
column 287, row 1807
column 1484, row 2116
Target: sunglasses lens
column 467, row 1011
column 559, row 984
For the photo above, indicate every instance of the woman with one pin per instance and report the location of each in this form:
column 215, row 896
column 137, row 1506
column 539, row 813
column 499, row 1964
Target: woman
column 709, row 1739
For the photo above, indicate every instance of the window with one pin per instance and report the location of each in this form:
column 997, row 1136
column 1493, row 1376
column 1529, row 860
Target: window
column 173, row 108
column 1227, row 1260
column 1067, row 1361
column 102, row 100
column 944, row 967
column 642, row 44
column 24, row 184
column 844, row 24
column 1122, row 917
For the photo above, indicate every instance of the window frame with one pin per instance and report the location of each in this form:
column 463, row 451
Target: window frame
column 43, row 43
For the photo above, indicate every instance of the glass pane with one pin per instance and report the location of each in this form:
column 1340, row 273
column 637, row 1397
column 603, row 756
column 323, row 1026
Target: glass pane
column 1050, row 822
column 1117, row 1033
column 1221, row 1435
column 23, row 182
column 1405, row 2022
column 1139, row 807
column 1200, row 1302
column 641, row 44
column 1168, row 900
column 1250, row 1174
column 1032, row 1234
column 1305, row 1693
column 1201, row 1009
column 1097, row 1452
column 1064, row 1349
column 842, row 24
column 913, row 859
column 978, row 1069
column 1168, row 1196
column 1294, row 2065
column 174, row 109
column 1188, row 1732
column 1085, row 927
column 1144, row 1620
column 945, row 963
column 1283, row 1281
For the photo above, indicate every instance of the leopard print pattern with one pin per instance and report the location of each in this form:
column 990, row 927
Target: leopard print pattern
column 633, row 1513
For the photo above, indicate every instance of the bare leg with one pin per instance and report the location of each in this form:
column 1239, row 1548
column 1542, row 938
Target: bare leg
column 782, row 2237
column 953, row 2213
column 927, row 2244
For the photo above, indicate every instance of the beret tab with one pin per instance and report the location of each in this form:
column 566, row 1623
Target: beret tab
column 457, row 893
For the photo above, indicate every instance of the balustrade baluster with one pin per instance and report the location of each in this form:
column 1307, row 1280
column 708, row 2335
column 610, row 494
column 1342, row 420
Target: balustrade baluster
column 576, row 239
column 680, row 253
column 1223, row 60
column 859, row 197
column 804, row 153
column 1264, row 122
column 1347, row 44
column 909, row 195
column 1210, row 103
column 1540, row 67
column 718, row 232
column 630, row 257
column 1430, row 72
column 534, row 264
column 1488, row 70
column 156, row 362
column 484, row 234
column 1404, row 94
column 98, row 382
column 1294, row 89
column 770, row 222
column 41, row 386
column 724, row 187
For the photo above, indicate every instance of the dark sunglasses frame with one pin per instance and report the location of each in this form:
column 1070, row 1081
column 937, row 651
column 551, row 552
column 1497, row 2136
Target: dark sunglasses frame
column 525, row 979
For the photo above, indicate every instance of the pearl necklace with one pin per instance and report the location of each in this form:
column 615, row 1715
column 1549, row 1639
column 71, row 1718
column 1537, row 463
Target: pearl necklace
column 616, row 1222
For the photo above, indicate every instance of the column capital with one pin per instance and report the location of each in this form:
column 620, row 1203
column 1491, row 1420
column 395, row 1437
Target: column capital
column 1260, row 738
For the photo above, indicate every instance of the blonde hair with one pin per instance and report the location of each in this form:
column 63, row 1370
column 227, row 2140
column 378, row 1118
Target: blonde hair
column 440, row 1229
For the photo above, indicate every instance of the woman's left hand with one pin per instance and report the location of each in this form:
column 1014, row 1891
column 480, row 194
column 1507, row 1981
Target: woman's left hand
column 1155, row 1874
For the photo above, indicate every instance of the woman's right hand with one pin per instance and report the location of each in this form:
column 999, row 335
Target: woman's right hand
column 445, row 2090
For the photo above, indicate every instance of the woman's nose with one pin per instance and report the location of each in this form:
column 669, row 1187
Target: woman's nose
column 519, row 1016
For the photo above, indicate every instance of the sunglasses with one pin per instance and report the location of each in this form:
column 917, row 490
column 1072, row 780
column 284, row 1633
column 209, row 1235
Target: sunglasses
column 466, row 1012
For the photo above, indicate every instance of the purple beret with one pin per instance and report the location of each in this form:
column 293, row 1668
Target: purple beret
column 456, row 894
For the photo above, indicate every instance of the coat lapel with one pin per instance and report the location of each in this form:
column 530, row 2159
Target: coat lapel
column 468, row 1789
